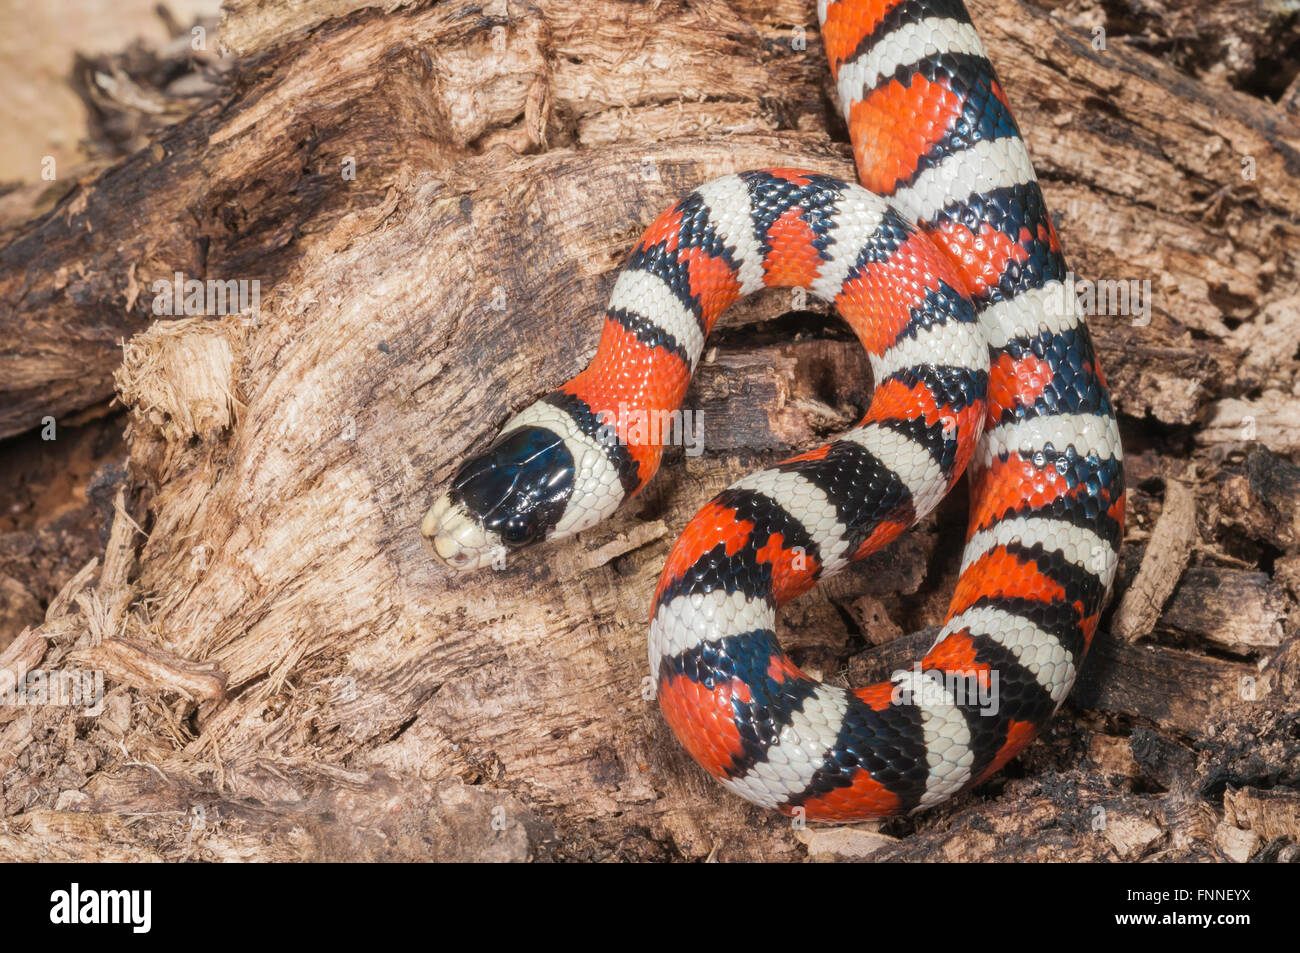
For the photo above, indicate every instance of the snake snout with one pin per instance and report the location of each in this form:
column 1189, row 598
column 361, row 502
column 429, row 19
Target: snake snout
column 454, row 538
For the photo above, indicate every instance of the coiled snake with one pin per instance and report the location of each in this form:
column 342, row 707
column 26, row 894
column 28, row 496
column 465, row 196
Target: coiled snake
column 947, row 266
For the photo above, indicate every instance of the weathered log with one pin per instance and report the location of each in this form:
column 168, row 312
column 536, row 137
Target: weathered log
column 370, row 705
column 271, row 163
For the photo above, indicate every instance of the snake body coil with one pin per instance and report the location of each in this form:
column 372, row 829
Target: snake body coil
column 947, row 266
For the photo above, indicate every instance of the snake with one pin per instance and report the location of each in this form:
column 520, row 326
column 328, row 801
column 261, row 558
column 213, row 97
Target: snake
column 947, row 266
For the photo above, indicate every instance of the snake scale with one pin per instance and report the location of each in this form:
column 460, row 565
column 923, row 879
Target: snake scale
column 947, row 266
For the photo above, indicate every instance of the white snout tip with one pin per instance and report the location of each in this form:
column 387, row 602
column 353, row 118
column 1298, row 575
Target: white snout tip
column 456, row 539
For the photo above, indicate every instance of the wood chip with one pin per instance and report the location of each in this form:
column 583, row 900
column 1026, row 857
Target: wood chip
column 1166, row 557
column 1232, row 609
column 1271, row 814
column 154, row 669
column 843, row 843
column 1237, row 845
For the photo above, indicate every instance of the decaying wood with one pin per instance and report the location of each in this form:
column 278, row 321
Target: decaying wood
column 1171, row 689
column 1270, row 815
column 291, row 676
column 1261, row 498
column 1171, row 548
column 1234, row 610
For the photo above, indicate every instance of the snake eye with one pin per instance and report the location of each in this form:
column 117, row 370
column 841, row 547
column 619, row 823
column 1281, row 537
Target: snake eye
column 517, row 533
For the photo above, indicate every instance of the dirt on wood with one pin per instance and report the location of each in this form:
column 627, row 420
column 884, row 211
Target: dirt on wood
column 218, row 515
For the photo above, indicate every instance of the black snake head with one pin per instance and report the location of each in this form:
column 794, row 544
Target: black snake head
column 508, row 497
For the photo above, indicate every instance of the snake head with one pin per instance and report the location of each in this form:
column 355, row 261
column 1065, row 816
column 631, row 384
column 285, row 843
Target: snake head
column 508, row 497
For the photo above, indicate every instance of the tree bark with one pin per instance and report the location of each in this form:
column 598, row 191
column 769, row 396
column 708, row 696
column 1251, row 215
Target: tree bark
column 434, row 201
